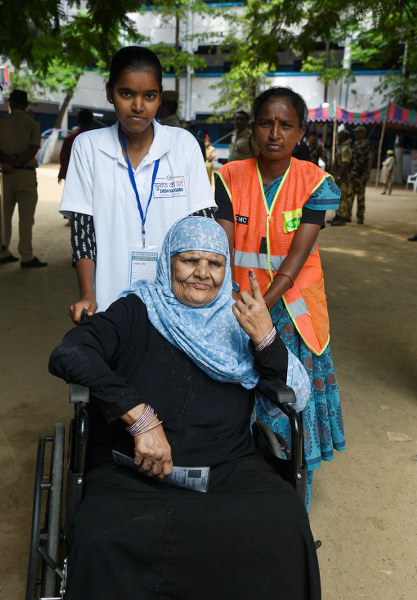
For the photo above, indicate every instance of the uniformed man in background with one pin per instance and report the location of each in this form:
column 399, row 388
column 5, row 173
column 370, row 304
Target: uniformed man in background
column 341, row 174
column 242, row 144
column 167, row 112
column 20, row 139
column 362, row 160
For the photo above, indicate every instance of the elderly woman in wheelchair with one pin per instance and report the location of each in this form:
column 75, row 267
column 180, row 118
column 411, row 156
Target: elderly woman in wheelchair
column 171, row 368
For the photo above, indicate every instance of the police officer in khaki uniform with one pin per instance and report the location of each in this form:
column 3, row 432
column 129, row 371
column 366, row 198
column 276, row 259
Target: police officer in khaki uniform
column 167, row 112
column 19, row 142
column 242, row 144
column 341, row 174
column 361, row 169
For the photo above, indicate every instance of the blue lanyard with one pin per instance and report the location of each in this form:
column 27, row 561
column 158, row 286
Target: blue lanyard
column 135, row 189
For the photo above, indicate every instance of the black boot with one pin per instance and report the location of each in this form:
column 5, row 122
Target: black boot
column 337, row 221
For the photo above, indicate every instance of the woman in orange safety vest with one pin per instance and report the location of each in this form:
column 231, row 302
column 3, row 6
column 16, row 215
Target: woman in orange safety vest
column 272, row 208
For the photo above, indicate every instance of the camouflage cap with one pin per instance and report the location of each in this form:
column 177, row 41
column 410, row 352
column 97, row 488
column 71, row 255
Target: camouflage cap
column 360, row 128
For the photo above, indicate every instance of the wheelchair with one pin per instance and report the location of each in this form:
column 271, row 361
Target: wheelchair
column 58, row 488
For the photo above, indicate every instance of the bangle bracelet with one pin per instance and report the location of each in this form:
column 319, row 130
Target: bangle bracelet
column 268, row 339
column 150, row 427
column 286, row 275
column 144, row 423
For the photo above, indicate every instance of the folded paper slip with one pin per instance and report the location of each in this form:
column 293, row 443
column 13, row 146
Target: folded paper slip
column 190, row 478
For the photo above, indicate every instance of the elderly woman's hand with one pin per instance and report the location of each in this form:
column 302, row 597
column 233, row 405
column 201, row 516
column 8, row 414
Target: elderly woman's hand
column 153, row 453
column 252, row 313
column 152, row 449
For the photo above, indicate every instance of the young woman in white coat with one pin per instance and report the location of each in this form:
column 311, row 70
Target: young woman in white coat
column 127, row 184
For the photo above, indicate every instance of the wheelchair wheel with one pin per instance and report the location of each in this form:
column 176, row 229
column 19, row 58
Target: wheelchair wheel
column 45, row 541
column 54, row 508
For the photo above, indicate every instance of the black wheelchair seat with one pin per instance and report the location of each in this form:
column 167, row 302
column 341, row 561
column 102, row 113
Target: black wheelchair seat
column 52, row 516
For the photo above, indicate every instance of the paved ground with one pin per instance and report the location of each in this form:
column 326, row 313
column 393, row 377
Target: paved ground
column 364, row 502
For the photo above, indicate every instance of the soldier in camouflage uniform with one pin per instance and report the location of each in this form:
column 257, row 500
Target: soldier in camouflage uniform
column 341, row 174
column 317, row 151
column 361, row 169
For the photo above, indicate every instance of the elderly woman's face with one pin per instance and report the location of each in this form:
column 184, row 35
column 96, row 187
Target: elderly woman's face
column 197, row 276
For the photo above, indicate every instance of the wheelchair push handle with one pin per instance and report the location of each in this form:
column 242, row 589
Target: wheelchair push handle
column 79, row 393
column 84, row 315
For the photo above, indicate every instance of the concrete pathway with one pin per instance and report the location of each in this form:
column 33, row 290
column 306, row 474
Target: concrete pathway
column 364, row 502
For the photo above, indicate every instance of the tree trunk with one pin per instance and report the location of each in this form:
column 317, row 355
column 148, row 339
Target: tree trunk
column 63, row 109
column 50, row 152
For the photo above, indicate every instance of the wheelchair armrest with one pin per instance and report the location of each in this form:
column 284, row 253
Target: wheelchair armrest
column 77, row 450
column 79, row 396
column 281, row 395
column 276, row 391
column 78, row 393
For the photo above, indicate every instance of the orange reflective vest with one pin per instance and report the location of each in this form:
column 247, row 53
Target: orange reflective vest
column 263, row 237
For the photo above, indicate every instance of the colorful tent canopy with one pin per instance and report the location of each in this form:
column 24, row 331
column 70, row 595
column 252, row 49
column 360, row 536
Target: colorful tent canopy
column 392, row 113
column 4, row 77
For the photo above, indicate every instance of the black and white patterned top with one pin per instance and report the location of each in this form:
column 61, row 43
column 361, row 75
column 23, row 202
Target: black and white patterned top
column 83, row 235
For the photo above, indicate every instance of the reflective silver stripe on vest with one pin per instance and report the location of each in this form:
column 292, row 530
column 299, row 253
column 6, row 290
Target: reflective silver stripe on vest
column 253, row 260
column 297, row 308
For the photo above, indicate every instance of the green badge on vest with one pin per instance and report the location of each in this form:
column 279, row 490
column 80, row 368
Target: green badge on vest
column 291, row 219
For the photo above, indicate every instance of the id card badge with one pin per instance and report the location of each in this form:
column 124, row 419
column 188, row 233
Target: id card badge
column 170, row 187
column 142, row 263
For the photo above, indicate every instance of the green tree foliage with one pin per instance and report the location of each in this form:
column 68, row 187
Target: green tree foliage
column 37, row 31
column 382, row 33
column 269, row 27
column 50, row 49
column 22, row 22
column 391, row 34
column 55, row 48
column 379, row 30
column 180, row 57
column 264, row 28
column 178, row 61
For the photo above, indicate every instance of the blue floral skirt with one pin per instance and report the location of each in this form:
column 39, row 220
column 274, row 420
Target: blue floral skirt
column 322, row 416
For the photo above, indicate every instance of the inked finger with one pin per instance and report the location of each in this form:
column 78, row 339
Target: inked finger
column 254, row 286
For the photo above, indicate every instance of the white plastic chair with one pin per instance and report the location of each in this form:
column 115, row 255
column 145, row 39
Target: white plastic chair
column 413, row 180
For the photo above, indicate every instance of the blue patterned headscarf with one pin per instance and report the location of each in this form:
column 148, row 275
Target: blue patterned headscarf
column 210, row 335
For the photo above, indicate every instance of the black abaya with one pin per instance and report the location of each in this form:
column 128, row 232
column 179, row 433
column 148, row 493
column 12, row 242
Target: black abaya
column 133, row 538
